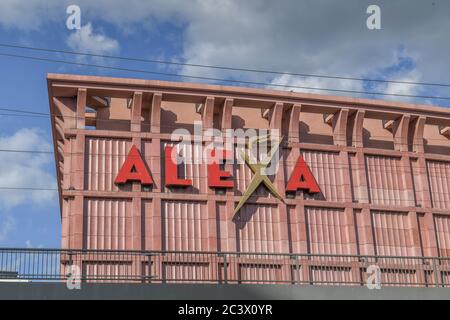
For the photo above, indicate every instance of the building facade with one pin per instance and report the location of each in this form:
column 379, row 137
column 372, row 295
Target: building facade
column 382, row 168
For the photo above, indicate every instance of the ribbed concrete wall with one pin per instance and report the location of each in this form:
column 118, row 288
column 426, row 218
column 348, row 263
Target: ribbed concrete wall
column 442, row 224
column 392, row 233
column 328, row 231
column 108, row 224
column 439, row 175
column 184, row 226
column 385, row 181
column 104, row 157
column 259, row 230
column 326, row 168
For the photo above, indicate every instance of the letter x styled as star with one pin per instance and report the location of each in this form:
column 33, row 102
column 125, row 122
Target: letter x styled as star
column 259, row 176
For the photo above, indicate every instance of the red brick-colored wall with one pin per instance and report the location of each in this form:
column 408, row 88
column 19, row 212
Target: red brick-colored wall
column 385, row 186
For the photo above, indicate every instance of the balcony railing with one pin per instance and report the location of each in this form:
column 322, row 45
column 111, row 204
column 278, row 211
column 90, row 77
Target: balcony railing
column 221, row 268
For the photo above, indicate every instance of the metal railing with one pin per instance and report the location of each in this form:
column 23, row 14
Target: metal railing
column 221, row 268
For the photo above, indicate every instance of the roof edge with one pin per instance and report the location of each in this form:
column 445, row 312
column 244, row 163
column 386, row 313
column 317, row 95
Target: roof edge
column 269, row 93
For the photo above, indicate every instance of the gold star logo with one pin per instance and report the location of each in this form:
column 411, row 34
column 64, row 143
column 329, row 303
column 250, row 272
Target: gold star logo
column 259, row 171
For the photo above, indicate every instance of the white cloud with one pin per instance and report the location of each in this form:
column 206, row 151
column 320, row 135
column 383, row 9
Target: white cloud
column 86, row 40
column 316, row 37
column 29, row 244
column 395, row 88
column 26, row 170
column 22, row 14
column 308, row 83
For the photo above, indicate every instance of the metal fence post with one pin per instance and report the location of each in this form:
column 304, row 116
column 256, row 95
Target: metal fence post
column 149, row 267
column 297, row 267
column 225, row 267
column 436, row 276
column 70, row 265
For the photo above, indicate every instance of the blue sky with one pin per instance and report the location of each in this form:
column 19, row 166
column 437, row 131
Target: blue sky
column 317, row 37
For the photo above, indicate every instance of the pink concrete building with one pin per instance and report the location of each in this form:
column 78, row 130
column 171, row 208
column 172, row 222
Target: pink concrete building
column 383, row 169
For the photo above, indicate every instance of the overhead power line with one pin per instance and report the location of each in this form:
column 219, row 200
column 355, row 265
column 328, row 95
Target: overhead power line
column 209, row 66
column 223, row 80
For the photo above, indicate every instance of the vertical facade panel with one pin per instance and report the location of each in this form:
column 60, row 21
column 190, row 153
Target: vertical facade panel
column 258, row 229
column 439, row 177
column 442, row 224
column 104, row 158
column 386, row 186
column 392, row 233
column 327, row 172
column 108, row 224
column 328, row 231
column 185, row 225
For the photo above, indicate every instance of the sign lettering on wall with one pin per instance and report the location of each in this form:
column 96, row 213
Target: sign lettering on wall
column 135, row 169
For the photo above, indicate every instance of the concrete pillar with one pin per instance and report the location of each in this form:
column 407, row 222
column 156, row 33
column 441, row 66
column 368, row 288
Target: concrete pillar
column 136, row 112
column 77, row 221
column 429, row 236
column 81, row 108
column 276, row 116
column 155, row 229
column 419, row 127
column 365, row 232
column 401, row 131
column 294, row 122
column 424, row 185
column 340, row 122
column 208, row 113
column 212, row 239
column 351, row 235
column 408, row 183
column 227, row 114
column 414, row 230
column 357, row 135
column 155, row 113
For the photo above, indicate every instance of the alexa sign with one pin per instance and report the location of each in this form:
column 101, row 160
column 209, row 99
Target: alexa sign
column 135, row 169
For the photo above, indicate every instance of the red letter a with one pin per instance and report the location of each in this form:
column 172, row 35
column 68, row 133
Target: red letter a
column 134, row 169
column 302, row 178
